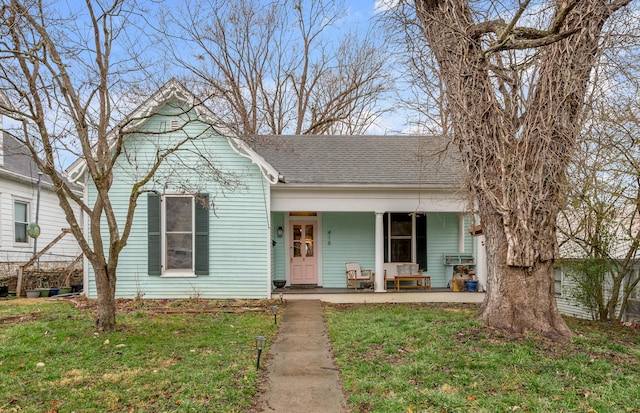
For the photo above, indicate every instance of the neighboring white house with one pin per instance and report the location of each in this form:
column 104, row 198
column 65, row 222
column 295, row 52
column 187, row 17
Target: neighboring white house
column 565, row 282
column 19, row 207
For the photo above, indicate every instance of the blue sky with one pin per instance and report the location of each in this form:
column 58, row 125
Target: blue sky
column 360, row 14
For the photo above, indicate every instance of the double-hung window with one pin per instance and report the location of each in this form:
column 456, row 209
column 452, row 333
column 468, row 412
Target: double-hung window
column 178, row 235
column 405, row 238
column 557, row 282
column 21, row 222
column 401, row 237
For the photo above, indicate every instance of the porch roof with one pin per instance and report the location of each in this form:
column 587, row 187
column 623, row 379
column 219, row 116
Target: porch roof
column 363, row 160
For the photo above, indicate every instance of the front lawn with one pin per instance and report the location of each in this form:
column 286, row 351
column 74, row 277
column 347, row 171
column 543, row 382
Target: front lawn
column 170, row 356
column 199, row 356
column 422, row 358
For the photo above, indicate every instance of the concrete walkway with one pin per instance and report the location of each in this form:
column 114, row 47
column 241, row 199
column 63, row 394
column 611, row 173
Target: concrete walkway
column 301, row 374
column 432, row 296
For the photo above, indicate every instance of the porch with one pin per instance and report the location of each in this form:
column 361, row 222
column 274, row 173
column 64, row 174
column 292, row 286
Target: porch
column 314, row 247
column 346, row 296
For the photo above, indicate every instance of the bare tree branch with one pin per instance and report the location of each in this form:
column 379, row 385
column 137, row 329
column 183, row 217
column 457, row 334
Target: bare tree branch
column 276, row 68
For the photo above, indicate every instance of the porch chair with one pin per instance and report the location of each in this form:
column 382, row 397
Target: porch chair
column 355, row 275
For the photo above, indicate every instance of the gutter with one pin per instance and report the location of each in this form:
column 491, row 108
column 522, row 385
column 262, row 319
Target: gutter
column 30, row 180
column 353, row 187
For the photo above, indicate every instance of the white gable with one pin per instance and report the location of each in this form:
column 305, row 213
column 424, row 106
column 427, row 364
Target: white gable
column 174, row 90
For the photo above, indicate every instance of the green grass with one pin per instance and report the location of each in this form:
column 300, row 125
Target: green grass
column 154, row 362
column 393, row 358
column 420, row 358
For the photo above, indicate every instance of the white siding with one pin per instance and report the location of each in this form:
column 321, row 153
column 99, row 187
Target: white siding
column 51, row 220
column 568, row 306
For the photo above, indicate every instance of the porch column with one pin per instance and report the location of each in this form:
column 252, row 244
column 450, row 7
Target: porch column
column 461, row 230
column 380, row 284
column 481, row 262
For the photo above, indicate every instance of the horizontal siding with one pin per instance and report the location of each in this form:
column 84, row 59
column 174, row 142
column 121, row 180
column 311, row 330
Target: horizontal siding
column 277, row 251
column 468, row 239
column 238, row 224
column 567, row 305
column 442, row 238
column 352, row 240
column 51, row 219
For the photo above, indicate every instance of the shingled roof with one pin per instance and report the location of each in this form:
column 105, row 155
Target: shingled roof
column 363, row 160
column 19, row 165
column 18, row 161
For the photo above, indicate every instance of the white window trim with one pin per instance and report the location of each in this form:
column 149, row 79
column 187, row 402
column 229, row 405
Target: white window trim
column 13, row 222
column 177, row 273
column 561, row 280
column 635, row 294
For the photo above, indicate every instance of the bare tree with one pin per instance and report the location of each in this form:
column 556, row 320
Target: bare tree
column 66, row 73
column 420, row 89
column 601, row 223
column 277, row 67
column 515, row 77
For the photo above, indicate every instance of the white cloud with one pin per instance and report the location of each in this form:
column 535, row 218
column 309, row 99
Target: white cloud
column 384, row 5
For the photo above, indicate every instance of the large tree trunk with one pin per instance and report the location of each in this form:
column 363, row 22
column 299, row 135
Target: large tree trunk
column 516, row 141
column 519, row 299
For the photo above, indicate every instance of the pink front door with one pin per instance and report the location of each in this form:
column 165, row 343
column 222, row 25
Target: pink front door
column 303, row 252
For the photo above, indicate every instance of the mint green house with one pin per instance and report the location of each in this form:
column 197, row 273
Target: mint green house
column 224, row 217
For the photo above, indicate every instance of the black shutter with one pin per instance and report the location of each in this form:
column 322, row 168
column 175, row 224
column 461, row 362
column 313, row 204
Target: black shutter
column 154, row 226
column 421, row 240
column 202, row 234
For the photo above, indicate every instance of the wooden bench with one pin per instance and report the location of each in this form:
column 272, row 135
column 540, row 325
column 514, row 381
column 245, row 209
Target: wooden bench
column 422, row 281
column 390, row 272
column 407, row 272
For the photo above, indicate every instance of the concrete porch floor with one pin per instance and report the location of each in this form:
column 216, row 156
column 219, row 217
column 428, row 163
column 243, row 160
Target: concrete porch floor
column 345, row 296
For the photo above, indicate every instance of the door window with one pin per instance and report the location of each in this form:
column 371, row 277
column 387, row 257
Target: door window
column 297, row 241
column 303, row 243
column 308, row 231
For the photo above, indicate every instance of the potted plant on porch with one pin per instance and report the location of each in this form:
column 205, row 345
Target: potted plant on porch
column 279, row 283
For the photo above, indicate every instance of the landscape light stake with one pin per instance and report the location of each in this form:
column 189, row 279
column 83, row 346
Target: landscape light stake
column 260, row 343
column 274, row 311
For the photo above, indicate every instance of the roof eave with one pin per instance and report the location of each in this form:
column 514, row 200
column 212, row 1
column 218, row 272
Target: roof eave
column 173, row 89
column 31, row 180
column 369, row 186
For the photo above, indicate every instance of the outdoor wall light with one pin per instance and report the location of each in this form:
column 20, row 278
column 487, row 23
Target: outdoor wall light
column 280, row 231
column 261, row 341
column 274, row 311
